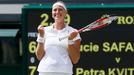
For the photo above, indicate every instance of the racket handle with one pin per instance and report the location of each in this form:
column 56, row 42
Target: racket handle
column 80, row 30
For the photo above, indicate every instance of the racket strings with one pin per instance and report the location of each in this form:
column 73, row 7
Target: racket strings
column 110, row 19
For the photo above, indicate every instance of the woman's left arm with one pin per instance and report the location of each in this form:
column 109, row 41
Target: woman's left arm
column 74, row 51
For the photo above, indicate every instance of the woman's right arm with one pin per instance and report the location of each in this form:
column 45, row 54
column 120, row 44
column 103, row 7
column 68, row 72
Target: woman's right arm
column 40, row 52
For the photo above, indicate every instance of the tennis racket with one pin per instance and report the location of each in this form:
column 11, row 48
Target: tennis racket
column 99, row 23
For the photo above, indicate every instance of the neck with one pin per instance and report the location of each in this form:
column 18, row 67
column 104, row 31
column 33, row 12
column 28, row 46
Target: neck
column 59, row 25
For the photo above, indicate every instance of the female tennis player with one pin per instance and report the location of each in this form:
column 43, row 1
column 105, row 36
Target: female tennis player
column 57, row 56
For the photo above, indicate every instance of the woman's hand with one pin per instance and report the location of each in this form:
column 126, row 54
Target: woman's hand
column 41, row 30
column 73, row 35
column 40, row 46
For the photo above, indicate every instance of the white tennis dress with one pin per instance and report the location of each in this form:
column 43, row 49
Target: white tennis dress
column 56, row 59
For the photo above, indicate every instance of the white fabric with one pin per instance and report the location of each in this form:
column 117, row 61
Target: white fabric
column 40, row 39
column 70, row 42
column 59, row 4
column 56, row 58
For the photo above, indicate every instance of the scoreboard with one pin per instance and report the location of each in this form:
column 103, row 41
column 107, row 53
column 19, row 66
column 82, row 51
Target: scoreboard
column 106, row 51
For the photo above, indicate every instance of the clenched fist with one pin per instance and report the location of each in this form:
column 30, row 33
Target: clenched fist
column 73, row 35
column 41, row 30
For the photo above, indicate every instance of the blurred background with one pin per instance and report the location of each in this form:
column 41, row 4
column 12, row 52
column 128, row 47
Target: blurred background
column 11, row 52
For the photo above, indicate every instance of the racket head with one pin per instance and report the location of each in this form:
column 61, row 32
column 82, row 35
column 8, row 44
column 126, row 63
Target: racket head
column 99, row 23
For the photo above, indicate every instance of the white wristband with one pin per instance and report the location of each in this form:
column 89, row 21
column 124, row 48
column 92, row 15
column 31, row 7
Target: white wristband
column 70, row 42
column 40, row 39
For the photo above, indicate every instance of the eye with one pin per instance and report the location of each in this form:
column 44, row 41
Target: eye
column 54, row 9
column 60, row 9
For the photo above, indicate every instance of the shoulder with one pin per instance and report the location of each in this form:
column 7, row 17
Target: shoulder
column 47, row 28
column 71, row 28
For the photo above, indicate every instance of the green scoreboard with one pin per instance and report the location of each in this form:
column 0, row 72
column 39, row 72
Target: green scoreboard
column 106, row 51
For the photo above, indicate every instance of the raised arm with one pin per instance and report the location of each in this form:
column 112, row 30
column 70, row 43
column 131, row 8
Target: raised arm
column 74, row 47
column 40, row 52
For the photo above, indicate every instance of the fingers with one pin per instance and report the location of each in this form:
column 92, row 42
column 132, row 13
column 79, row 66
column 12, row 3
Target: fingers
column 73, row 35
column 41, row 30
column 40, row 27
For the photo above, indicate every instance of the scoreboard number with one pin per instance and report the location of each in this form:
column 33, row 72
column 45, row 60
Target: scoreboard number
column 45, row 17
column 32, row 47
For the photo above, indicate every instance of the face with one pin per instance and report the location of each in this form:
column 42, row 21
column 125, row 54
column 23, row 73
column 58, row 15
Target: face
column 59, row 13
